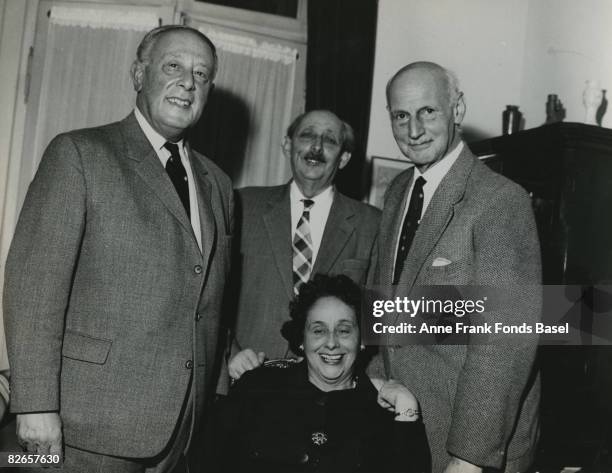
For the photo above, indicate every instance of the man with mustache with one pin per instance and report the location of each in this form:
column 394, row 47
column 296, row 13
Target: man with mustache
column 115, row 276
column 293, row 231
column 451, row 221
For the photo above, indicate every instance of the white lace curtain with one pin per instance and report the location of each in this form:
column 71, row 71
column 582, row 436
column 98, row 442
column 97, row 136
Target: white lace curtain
column 85, row 82
column 261, row 76
column 85, row 78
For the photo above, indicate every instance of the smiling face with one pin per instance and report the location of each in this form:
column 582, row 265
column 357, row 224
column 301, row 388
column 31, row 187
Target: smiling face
column 423, row 118
column 316, row 151
column 331, row 344
column 173, row 82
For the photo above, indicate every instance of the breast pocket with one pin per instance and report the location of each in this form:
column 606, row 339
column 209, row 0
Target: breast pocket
column 456, row 272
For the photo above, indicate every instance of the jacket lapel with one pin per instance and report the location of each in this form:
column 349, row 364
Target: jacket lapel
column 390, row 228
column 437, row 216
column 277, row 221
column 338, row 230
column 206, row 205
column 147, row 165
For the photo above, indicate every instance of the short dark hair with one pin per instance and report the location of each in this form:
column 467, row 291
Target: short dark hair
column 146, row 44
column 348, row 135
column 340, row 286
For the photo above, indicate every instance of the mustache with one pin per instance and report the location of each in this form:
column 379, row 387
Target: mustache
column 315, row 155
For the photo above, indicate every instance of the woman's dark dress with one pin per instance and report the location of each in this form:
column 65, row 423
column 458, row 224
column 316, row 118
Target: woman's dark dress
column 275, row 420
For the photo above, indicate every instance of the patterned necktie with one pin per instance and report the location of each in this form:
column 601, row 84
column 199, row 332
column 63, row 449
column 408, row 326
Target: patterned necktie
column 409, row 228
column 302, row 248
column 178, row 175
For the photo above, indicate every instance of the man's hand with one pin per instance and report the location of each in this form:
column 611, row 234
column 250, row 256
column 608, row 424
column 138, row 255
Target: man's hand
column 395, row 397
column 243, row 361
column 457, row 465
column 40, row 433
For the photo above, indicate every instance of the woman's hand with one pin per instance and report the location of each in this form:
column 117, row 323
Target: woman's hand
column 243, row 361
column 395, row 397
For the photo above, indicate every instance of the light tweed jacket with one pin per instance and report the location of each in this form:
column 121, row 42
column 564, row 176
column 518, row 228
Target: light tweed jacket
column 103, row 283
column 479, row 402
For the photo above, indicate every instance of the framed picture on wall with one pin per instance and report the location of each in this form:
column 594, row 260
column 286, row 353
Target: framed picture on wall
column 384, row 171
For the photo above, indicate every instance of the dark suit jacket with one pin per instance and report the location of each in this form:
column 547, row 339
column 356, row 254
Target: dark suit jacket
column 479, row 402
column 110, row 306
column 265, row 261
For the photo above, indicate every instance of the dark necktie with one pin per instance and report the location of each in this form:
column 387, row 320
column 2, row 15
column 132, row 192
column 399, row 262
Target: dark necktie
column 302, row 248
column 178, row 175
column 409, row 228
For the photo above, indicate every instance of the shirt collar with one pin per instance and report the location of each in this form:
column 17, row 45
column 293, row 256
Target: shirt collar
column 296, row 194
column 435, row 174
column 156, row 140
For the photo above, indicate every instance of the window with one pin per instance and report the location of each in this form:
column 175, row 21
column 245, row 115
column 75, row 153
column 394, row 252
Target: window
column 288, row 8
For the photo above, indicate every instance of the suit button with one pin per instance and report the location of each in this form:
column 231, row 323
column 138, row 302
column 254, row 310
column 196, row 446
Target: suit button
column 189, row 364
column 198, row 317
column 304, row 458
column 197, row 269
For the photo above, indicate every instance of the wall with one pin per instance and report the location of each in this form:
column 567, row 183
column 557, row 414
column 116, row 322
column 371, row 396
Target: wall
column 480, row 40
column 567, row 42
column 504, row 52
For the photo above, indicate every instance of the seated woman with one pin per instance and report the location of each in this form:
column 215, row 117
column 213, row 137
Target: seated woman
column 320, row 414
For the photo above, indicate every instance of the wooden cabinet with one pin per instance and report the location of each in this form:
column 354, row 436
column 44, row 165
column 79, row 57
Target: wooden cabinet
column 567, row 169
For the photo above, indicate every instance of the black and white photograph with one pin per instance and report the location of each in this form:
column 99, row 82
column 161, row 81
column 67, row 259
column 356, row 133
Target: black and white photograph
column 306, row 236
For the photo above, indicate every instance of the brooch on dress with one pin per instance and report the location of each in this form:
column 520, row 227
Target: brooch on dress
column 319, row 438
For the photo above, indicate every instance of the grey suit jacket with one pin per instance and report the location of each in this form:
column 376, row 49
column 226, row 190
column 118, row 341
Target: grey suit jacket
column 265, row 261
column 110, row 306
column 479, row 402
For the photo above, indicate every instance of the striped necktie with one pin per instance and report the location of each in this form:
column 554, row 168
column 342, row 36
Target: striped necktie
column 302, row 248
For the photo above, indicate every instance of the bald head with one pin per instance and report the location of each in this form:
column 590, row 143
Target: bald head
column 444, row 78
column 426, row 109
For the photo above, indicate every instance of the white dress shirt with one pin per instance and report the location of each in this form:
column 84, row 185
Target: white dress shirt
column 158, row 142
column 318, row 214
column 433, row 176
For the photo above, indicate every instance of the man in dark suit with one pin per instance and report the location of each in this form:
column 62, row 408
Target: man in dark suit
column 115, row 276
column 450, row 220
column 293, row 231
